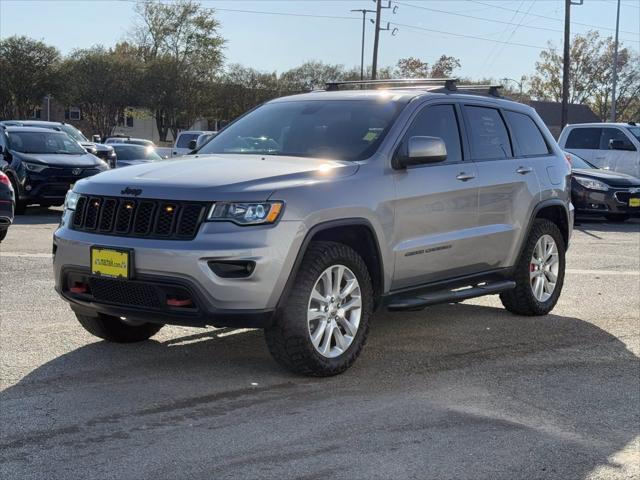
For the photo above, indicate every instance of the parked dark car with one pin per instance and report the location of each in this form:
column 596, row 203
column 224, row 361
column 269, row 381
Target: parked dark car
column 43, row 164
column 105, row 152
column 594, row 190
column 7, row 204
column 129, row 154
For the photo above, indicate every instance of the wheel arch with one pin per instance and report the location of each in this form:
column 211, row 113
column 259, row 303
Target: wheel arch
column 357, row 233
column 554, row 210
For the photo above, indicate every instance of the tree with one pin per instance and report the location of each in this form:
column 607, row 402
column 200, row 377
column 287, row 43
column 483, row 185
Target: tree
column 29, row 72
column 412, row 67
column 591, row 75
column 311, row 75
column 181, row 50
column 102, row 83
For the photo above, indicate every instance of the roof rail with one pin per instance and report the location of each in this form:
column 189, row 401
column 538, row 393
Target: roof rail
column 448, row 83
column 489, row 89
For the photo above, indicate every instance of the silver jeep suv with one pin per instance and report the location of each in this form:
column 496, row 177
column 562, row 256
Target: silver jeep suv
column 311, row 211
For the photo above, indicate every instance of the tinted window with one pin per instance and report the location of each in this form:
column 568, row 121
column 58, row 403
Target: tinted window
column 185, row 138
column 526, row 134
column 44, row 142
column 609, row 134
column 336, row 129
column 439, row 121
column 135, row 152
column 635, row 131
column 489, row 136
column 586, row 138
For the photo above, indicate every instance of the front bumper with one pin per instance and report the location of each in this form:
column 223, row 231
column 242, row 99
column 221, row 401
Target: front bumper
column 173, row 264
column 613, row 201
column 51, row 187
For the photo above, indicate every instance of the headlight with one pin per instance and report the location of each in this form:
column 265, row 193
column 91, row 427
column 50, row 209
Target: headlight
column 34, row 167
column 71, row 200
column 102, row 165
column 245, row 213
column 592, row 184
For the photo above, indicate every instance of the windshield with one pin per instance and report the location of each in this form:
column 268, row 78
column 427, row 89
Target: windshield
column 135, row 152
column 74, row 133
column 185, row 138
column 635, row 131
column 337, row 129
column 44, row 142
column 577, row 162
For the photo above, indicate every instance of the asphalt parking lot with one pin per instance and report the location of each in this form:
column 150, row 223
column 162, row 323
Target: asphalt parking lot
column 464, row 391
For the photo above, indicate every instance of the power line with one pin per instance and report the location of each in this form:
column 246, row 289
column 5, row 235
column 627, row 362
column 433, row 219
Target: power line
column 461, row 35
column 550, row 18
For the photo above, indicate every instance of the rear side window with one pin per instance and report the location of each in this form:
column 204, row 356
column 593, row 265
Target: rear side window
column 609, row 134
column 587, row 138
column 527, row 135
column 438, row 121
column 489, row 137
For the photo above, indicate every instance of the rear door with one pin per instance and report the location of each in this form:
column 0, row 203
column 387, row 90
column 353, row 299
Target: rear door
column 436, row 204
column 507, row 181
column 584, row 142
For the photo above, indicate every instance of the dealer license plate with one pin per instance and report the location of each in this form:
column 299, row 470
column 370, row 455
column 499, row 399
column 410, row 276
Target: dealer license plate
column 634, row 202
column 110, row 262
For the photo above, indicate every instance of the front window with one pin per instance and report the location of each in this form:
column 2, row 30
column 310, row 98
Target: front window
column 44, row 142
column 635, row 131
column 185, row 138
column 337, row 129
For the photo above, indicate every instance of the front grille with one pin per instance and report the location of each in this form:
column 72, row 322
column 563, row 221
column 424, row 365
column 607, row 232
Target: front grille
column 623, row 196
column 138, row 217
column 125, row 293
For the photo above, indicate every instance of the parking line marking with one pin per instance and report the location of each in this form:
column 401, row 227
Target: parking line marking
column 604, row 272
column 27, row 255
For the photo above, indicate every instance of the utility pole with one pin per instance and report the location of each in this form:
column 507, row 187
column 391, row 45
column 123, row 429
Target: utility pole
column 364, row 12
column 566, row 60
column 615, row 68
column 376, row 40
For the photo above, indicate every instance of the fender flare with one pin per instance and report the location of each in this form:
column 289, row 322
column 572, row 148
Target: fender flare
column 312, row 232
column 550, row 202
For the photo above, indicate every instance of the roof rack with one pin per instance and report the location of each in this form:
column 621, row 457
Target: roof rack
column 448, row 83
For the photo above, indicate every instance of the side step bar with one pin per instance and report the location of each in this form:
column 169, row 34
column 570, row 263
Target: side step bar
column 448, row 296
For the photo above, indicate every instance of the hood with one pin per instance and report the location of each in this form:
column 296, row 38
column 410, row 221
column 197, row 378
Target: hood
column 216, row 177
column 60, row 160
column 613, row 179
column 128, row 163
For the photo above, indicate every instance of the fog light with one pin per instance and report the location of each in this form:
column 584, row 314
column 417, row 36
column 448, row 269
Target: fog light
column 232, row 269
column 28, row 188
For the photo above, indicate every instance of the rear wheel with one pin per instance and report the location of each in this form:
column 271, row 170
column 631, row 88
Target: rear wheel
column 617, row 217
column 324, row 323
column 116, row 330
column 539, row 274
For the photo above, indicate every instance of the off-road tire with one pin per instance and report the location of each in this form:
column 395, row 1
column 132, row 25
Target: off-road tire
column 288, row 339
column 617, row 217
column 112, row 329
column 521, row 300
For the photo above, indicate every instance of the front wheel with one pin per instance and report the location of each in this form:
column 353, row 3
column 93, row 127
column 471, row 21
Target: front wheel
column 539, row 274
column 113, row 329
column 324, row 323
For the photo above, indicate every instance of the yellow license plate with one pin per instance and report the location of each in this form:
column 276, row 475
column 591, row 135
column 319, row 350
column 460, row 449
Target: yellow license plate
column 112, row 263
column 634, row 202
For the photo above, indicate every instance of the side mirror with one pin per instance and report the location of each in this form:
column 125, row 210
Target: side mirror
column 96, row 139
column 621, row 145
column 420, row 151
column 193, row 144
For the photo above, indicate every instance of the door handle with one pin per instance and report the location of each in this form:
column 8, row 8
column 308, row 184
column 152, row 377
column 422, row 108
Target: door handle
column 524, row 170
column 465, row 177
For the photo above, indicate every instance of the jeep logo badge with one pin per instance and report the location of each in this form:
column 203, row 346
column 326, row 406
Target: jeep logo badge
column 76, row 171
column 131, row 191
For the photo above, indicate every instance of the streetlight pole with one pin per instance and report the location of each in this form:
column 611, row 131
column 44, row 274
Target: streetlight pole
column 615, row 68
column 519, row 83
column 364, row 12
column 566, row 60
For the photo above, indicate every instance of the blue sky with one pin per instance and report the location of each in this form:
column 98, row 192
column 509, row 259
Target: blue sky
column 426, row 29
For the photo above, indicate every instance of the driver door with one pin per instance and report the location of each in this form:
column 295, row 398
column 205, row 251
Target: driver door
column 436, row 208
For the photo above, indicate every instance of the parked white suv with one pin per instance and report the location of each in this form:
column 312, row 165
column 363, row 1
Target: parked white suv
column 613, row 146
column 183, row 142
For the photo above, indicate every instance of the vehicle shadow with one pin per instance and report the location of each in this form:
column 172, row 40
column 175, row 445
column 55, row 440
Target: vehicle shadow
column 36, row 215
column 601, row 224
column 456, row 391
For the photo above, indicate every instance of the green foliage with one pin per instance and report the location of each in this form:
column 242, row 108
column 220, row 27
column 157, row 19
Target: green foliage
column 591, row 71
column 29, row 71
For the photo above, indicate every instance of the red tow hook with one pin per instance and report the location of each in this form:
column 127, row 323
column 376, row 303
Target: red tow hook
column 79, row 288
column 179, row 302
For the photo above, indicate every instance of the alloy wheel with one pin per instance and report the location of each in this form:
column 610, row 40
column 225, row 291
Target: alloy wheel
column 543, row 268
